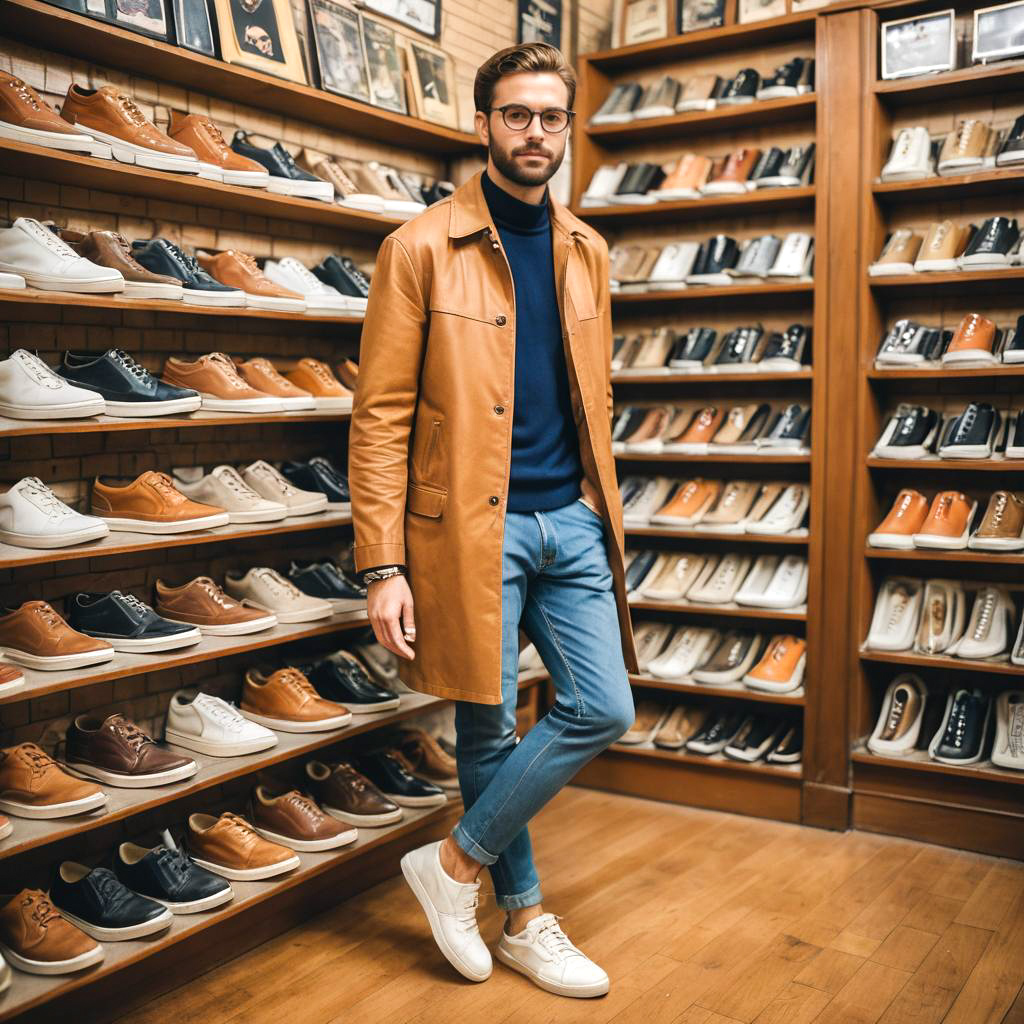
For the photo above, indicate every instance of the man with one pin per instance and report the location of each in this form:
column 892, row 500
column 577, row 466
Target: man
column 483, row 485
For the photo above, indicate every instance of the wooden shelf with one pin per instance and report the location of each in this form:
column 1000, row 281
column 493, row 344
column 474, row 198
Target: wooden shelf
column 943, row 373
column 721, row 119
column 1006, row 76
column 210, row 648
column 120, row 543
column 919, row 761
column 729, row 610
column 961, row 186
column 188, row 190
column 28, row 991
column 937, row 555
column 734, row 691
column 30, row 298
column 38, row 23
column 756, row 460
column 1001, row 668
column 799, row 539
column 763, row 200
column 720, row 762
column 789, row 289
column 704, row 379
column 933, row 462
column 712, row 40
column 951, row 281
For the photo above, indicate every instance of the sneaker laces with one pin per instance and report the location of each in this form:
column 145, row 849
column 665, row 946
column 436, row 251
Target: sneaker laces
column 956, row 727
column 295, row 680
column 216, row 136
column 321, row 370
column 135, row 369
column 130, row 108
column 898, row 706
column 53, row 242
column 986, row 609
column 44, row 499
column 277, row 582
column 965, row 133
column 25, row 93
column 308, row 278
column 131, row 733
column 39, row 760
column 40, row 373
column 1014, row 728
column 109, row 887
column 553, row 940
column 227, row 365
column 247, row 261
column 189, row 262
column 214, row 591
column 465, row 912
column 41, row 909
column 132, row 601
column 304, row 804
column 164, row 484
column 262, row 468
column 286, row 158
column 221, row 712
column 237, row 822
column 228, row 475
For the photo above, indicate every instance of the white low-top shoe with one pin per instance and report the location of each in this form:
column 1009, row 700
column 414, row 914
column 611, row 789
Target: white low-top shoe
column 450, row 907
column 30, row 390
column 32, row 516
column 543, row 952
column 209, row 725
column 266, row 481
column 45, row 261
column 321, row 299
column 223, row 487
column 269, row 591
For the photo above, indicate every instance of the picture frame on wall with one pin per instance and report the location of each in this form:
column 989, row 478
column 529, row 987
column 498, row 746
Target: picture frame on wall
column 640, row 21
column 338, row 39
column 193, row 27
column 699, row 15
column 260, row 34
column 920, row 45
column 760, row 10
column 998, row 32
column 432, row 83
column 539, row 21
column 384, row 66
column 150, row 17
column 422, row 15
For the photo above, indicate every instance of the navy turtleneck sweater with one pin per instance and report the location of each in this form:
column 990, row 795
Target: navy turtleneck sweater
column 546, row 469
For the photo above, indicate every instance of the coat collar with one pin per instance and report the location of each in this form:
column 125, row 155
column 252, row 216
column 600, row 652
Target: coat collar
column 470, row 213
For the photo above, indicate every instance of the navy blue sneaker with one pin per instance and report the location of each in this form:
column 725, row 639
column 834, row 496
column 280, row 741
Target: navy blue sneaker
column 127, row 624
column 327, row 581
column 98, row 903
column 318, row 475
column 342, row 678
column 167, row 875
column 198, row 288
column 127, row 388
column 286, row 177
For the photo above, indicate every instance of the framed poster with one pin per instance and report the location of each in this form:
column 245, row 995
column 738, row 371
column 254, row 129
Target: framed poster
column 760, row 10
column 338, row 37
column 642, row 20
column 696, row 15
column 539, row 21
column 260, row 34
column 998, row 32
column 915, row 46
column 146, row 16
column 384, row 66
column 193, row 27
column 422, row 15
column 432, row 80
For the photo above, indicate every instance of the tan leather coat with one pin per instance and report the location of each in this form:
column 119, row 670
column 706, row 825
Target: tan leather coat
column 431, row 436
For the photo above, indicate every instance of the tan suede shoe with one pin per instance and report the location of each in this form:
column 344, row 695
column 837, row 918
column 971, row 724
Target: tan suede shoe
column 152, row 504
column 261, row 374
column 682, row 723
column 315, row 376
column 1003, row 525
column 285, row 700
column 230, row 846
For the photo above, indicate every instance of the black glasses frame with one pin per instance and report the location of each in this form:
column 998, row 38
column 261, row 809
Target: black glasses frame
column 569, row 115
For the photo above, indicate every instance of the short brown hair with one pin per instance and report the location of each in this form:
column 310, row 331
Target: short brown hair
column 514, row 60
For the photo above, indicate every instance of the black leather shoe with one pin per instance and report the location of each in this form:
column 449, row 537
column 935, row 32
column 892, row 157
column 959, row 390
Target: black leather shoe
column 909, row 434
column 342, row 274
column 790, row 428
column 783, row 81
column 639, row 568
column 990, row 246
column 127, row 624
column 742, row 89
column 629, row 419
column 325, row 580
column 738, row 347
column 391, row 778
column 757, row 735
column 716, row 734
column 693, row 348
column 789, row 749
column 98, row 903
column 286, row 177
column 716, row 256
column 789, row 350
column 972, row 434
column 1013, row 350
column 172, row 879
column 318, row 475
column 342, row 678
column 961, row 737
column 164, row 257
column 128, row 388
column 768, row 165
column 1012, row 149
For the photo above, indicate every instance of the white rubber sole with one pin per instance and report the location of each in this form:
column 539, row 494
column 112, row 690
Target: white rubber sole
column 48, row 811
column 364, row 820
column 12, row 282
column 68, row 411
column 135, row 931
column 58, row 662
column 180, row 739
column 251, row 179
column 51, row 967
column 153, row 645
column 58, row 283
column 370, row 709
column 60, row 540
column 892, row 541
column 254, row 405
column 154, row 290
column 184, row 526
column 201, row 297
column 794, row 682
column 272, row 515
column 306, row 615
column 232, row 628
column 310, row 845
column 333, row 404
column 216, row 899
column 186, row 771
column 434, row 800
column 926, row 540
column 274, row 302
column 130, row 153
column 312, row 508
column 73, row 141
column 996, row 543
column 250, row 874
column 298, row 404
column 129, row 410
column 576, row 991
column 283, row 725
column 322, row 190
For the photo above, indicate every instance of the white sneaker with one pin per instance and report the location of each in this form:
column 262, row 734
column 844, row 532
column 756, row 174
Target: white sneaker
column 12, row 281
column 32, row 516
column 450, row 907
column 209, row 725
column 30, row 390
column 543, row 952
column 270, row 592
column 224, row 488
column 45, row 261
column 321, row 299
column 270, row 484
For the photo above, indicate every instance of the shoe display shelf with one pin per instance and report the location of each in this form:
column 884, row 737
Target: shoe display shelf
column 976, row 806
column 767, row 790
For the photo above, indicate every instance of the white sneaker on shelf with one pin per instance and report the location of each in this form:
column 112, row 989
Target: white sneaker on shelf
column 12, row 282
column 223, row 487
column 32, row 516
column 321, row 299
column 30, row 390
column 45, row 261
column 543, row 952
column 267, row 590
column 209, row 725
column 450, row 907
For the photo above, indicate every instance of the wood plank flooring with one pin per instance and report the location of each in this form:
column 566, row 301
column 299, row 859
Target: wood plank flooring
column 698, row 917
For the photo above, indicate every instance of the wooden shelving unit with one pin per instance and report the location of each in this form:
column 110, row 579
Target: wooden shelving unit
column 733, row 691
column 681, row 210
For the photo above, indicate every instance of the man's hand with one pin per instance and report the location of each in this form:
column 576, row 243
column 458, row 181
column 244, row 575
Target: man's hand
column 389, row 605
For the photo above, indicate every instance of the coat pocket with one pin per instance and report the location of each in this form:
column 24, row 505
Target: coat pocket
column 426, row 501
column 427, row 450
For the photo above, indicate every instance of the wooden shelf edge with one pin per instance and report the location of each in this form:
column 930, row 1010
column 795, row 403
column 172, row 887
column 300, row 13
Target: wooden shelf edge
column 962, row 557
column 981, row 182
column 697, row 294
column 730, row 610
column 909, row 89
column 967, row 278
column 765, row 198
column 714, row 762
column 950, row 465
column 919, row 761
column 754, row 460
column 931, row 661
column 713, row 378
column 734, row 691
column 994, row 372
column 799, row 539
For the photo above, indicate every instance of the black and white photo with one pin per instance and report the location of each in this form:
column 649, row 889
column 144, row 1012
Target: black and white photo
column 148, row 16
column 998, row 32
column 260, row 34
column 422, row 15
column 917, row 46
column 696, row 15
column 192, row 26
column 339, row 47
column 384, row 66
column 432, row 77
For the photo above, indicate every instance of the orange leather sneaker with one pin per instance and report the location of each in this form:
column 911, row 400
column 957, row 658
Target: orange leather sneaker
column 215, row 378
column 285, row 700
column 34, row 635
column 239, row 270
column 32, row 785
column 26, row 117
column 689, row 504
column 217, row 160
column 37, row 940
column 904, row 519
column 948, row 524
column 972, row 342
column 316, row 377
column 781, row 668
column 231, row 847
column 261, row 374
column 152, row 504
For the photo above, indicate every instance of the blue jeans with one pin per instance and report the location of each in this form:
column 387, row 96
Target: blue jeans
column 556, row 583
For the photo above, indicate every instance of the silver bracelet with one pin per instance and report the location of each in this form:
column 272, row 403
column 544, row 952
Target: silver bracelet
column 374, row 575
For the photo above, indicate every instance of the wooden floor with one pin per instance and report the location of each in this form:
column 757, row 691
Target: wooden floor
column 698, row 917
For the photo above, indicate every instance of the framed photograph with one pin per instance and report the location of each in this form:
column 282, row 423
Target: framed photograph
column 260, row 34
column 998, row 32
column 697, row 15
column 146, row 16
column 539, row 21
column 384, row 66
column 432, row 78
column 760, row 10
column 338, row 37
column 422, row 15
column 916, row 46
column 642, row 20
column 193, row 27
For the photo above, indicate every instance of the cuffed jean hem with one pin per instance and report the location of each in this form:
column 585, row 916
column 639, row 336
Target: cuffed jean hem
column 471, row 847
column 530, row 898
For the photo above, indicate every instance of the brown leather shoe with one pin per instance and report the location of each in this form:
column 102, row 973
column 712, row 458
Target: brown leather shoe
column 11, row 679
column 701, row 429
column 948, row 523
column 904, row 519
column 942, row 244
column 349, row 796
column 1003, row 525
column 687, row 178
column 26, row 117
column 689, row 504
column 215, row 378
column 217, row 160
column 733, row 177
column 781, row 668
column 285, row 700
column 37, row 940
column 972, row 341
column 152, row 504
column 732, row 508
column 34, row 635
column 112, row 117
column 32, row 785
column 117, row 752
column 650, row 714
column 348, row 373
column 202, row 603
column 425, row 758
column 293, row 820
column 239, row 270
column 682, row 723
column 111, row 249
column 261, row 374
column 347, row 190
column 229, row 846
column 650, row 429
column 316, row 377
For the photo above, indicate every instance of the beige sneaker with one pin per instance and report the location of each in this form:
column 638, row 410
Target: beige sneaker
column 270, row 484
column 224, row 488
column 268, row 590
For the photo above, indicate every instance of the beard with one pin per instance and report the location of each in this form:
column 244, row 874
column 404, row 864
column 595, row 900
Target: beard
column 527, row 176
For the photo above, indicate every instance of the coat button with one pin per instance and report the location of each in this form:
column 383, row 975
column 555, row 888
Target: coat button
column 501, row 320
column 499, row 409
column 493, row 499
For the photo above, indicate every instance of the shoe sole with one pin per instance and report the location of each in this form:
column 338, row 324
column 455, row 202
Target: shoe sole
column 153, row 290
column 183, row 526
column 153, row 645
column 364, row 820
column 283, row 305
column 434, row 800
column 324, row 191
column 577, row 992
column 310, row 845
column 283, row 725
column 56, row 663
column 50, row 967
column 72, row 410
column 435, row 929
column 63, row 540
column 89, row 771
column 129, row 153
column 252, row 405
column 180, row 739
column 234, row 628
column 250, row 874
column 56, row 283
column 333, row 404
column 308, row 615
column 217, row 899
column 134, row 931
column 370, row 709
column 274, row 515
column 47, row 812
column 201, row 297
column 128, row 410
column 49, row 140
column 250, row 179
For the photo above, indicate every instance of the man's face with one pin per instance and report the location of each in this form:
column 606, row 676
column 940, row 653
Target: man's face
column 530, row 156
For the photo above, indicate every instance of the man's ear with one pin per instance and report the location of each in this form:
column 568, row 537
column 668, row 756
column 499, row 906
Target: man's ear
column 483, row 128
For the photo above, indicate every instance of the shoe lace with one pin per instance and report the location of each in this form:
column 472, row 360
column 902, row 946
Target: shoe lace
column 296, row 681
column 286, row 158
column 130, row 108
column 304, row 804
column 215, row 135
column 262, row 468
column 162, row 482
column 226, row 363
column 40, row 908
column 986, row 610
column 44, row 499
column 300, row 270
column 175, row 860
column 899, row 703
column 349, row 265
column 221, row 712
column 970, row 414
column 267, row 367
column 53, row 242
column 966, row 131
column 321, row 371
column 1015, row 729
column 238, row 823
column 352, row 777
column 553, row 939
column 247, row 261
column 465, row 912
column 1000, row 502
column 135, row 369
column 131, row 734
column 132, row 601
column 956, row 727
column 189, row 262
column 40, row 373
column 900, row 604
column 216, row 594
column 940, row 234
column 278, row 583
column 24, row 92
column 229, row 476
column 109, row 887
column 38, row 759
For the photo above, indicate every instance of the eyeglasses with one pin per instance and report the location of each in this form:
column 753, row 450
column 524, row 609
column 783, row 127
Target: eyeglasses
column 518, row 117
